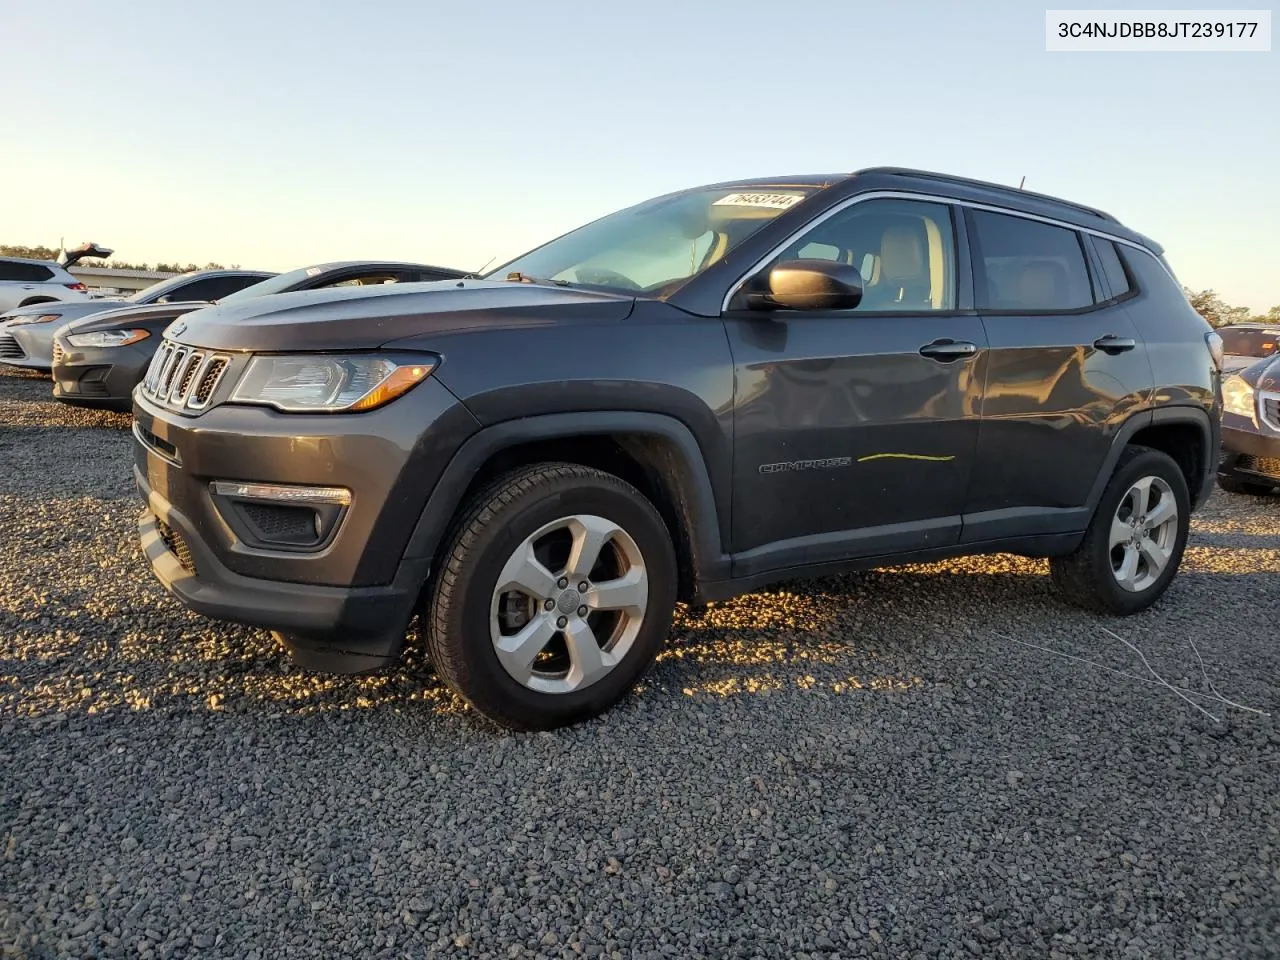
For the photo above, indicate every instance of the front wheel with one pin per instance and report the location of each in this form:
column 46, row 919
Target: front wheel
column 1135, row 541
column 554, row 597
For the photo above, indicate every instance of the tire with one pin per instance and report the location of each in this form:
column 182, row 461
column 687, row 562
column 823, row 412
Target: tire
column 1088, row 577
column 1232, row 485
column 547, row 510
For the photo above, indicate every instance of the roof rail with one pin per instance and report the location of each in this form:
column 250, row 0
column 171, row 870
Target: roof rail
column 986, row 185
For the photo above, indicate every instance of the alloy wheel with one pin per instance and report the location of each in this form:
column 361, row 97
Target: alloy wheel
column 568, row 604
column 1144, row 532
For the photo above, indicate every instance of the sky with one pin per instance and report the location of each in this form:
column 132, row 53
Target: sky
column 273, row 134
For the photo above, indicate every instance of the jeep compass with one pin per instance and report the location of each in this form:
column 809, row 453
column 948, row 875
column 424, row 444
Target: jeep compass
column 694, row 397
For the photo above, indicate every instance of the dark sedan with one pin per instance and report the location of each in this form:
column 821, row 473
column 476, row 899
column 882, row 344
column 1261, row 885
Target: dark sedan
column 1251, row 429
column 99, row 360
column 27, row 333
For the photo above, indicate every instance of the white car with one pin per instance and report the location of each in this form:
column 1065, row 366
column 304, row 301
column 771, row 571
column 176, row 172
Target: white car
column 24, row 282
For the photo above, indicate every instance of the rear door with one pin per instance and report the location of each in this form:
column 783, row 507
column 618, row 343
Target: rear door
column 854, row 430
column 1065, row 368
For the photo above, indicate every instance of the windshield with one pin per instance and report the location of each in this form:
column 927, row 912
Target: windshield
column 157, row 290
column 276, row 284
column 657, row 246
column 1249, row 343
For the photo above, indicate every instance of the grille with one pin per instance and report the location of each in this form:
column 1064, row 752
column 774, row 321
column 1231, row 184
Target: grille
column 57, row 352
column 9, row 348
column 182, row 378
column 1266, row 466
column 177, row 546
column 209, row 380
column 1271, row 410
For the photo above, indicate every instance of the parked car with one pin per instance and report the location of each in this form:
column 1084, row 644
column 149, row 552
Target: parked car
column 691, row 398
column 34, row 282
column 1245, row 343
column 26, row 334
column 98, row 361
column 1251, row 429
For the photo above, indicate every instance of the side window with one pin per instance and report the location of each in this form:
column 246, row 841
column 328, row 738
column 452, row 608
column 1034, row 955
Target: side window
column 904, row 250
column 24, row 272
column 1112, row 267
column 220, row 287
column 195, row 290
column 1023, row 265
column 364, row 280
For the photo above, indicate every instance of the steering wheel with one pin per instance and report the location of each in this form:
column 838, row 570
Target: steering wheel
column 602, row 277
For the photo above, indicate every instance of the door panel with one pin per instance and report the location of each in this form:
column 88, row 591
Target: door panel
column 1058, row 385
column 848, row 442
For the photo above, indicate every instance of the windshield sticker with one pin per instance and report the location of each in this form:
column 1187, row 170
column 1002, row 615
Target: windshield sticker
column 776, row 201
column 312, row 271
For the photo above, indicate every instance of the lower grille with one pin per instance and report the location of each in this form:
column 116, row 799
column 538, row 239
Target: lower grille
column 10, row 349
column 177, row 546
column 57, row 352
column 1265, row 466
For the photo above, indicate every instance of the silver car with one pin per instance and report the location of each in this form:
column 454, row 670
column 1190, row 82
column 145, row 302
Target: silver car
column 26, row 334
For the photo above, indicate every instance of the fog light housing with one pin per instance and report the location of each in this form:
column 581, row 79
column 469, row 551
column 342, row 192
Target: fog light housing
column 281, row 516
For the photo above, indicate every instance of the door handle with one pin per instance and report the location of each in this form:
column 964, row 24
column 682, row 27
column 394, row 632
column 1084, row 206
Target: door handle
column 946, row 351
column 1112, row 344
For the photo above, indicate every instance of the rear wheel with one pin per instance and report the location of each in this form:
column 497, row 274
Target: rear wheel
column 1135, row 541
column 555, row 595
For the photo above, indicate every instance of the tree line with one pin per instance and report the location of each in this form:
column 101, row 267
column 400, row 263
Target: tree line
column 48, row 253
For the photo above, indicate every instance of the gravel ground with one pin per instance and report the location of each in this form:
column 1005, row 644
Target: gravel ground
column 897, row 764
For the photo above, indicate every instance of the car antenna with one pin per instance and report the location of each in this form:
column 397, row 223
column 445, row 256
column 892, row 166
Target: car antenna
column 1022, row 181
column 486, row 266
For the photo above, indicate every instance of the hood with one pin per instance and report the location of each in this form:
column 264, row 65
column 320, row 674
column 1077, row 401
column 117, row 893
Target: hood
column 1262, row 374
column 149, row 314
column 362, row 318
column 68, row 310
column 1232, row 363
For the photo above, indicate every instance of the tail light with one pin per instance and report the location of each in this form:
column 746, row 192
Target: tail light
column 76, row 286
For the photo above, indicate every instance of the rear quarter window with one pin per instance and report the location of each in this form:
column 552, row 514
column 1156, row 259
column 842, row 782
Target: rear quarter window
column 24, row 272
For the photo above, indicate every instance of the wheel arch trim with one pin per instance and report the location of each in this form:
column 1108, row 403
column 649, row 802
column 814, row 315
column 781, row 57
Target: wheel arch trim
column 692, row 481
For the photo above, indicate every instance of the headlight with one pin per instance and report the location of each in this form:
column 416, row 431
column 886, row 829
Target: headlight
column 329, row 383
column 43, row 318
column 107, row 338
column 1237, row 396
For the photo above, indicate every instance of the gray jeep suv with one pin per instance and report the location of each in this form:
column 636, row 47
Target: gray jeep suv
column 695, row 397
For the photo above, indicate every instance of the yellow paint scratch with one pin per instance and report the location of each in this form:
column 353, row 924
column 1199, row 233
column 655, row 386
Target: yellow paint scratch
column 901, row 456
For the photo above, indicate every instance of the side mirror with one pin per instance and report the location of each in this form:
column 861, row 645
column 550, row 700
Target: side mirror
column 811, row 285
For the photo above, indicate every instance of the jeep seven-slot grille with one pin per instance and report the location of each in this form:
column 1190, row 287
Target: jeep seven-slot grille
column 183, row 378
column 9, row 348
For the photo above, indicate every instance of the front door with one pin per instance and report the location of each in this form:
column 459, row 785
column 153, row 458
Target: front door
column 1066, row 368
column 855, row 430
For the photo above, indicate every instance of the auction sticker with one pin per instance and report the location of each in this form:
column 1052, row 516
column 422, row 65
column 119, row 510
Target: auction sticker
column 776, row 201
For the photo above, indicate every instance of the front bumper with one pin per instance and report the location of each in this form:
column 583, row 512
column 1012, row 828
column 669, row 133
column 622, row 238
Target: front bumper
column 33, row 341
column 1249, row 454
column 100, row 376
column 343, row 605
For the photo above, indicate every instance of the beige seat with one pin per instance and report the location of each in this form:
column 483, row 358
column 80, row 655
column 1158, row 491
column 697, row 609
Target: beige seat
column 903, row 280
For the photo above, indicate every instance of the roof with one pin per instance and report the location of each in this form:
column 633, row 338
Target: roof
column 37, row 262
column 1000, row 188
